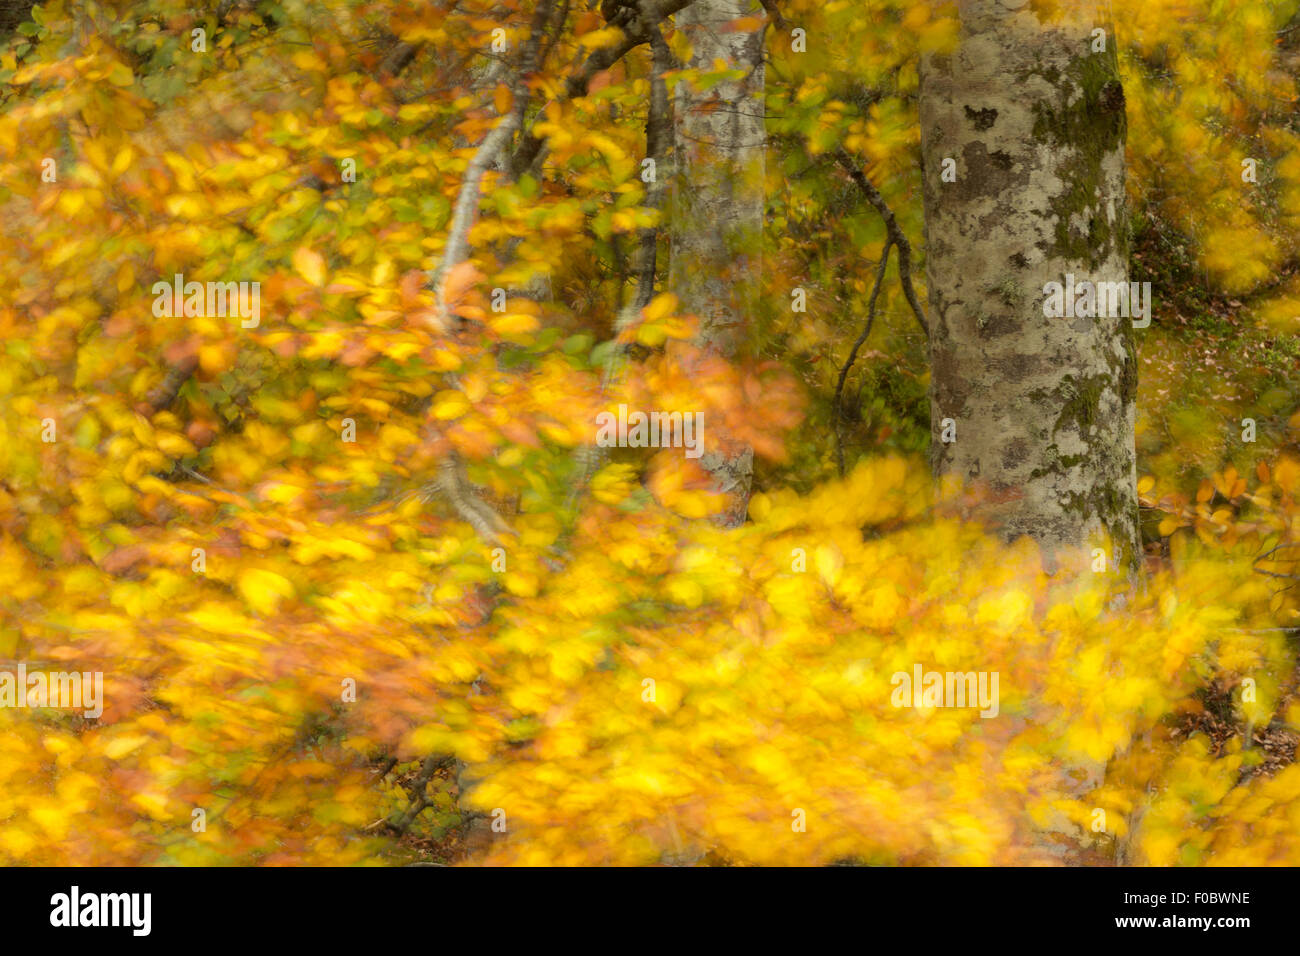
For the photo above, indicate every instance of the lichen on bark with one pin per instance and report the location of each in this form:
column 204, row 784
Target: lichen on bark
column 1045, row 406
column 1089, row 123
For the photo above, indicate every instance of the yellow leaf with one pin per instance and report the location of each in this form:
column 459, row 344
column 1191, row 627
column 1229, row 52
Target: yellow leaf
column 685, row 592
column 613, row 483
column 121, row 75
column 829, row 563
column 119, row 747
column 450, row 404
column 215, row 357
column 153, row 803
column 122, row 161
column 660, row 306
column 125, row 277
column 1286, row 474
column 71, row 203
column 175, row 445
column 310, row 265
column 651, row 335
column 52, row 817
column 263, row 590
column 522, row 584
column 600, row 39
column 515, row 323
column 309, row 61
column 282, row 493
column 680, row 45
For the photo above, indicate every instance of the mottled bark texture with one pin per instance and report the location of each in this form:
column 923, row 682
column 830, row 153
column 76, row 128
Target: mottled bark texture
column 1043, row 407
column 717, row 221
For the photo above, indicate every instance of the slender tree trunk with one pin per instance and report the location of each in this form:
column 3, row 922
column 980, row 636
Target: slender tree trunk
column 1029, row 118
column 718, row 207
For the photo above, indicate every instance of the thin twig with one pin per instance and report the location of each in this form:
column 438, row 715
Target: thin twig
column 853, row 355
column 893, row 229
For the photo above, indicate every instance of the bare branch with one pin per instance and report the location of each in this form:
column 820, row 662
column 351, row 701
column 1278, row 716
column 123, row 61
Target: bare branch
column 432, row 764
column 398, row 58
column 894, row 231
column 774, row 14
column 453, row 486
column 165, row 393
column 853, row 355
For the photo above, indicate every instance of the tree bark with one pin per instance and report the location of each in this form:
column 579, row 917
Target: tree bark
column 718, row 203
column 1043, row 408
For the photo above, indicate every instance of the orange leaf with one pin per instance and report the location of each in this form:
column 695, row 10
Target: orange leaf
column 410, row 288
column 502, row 98
column 459, row 283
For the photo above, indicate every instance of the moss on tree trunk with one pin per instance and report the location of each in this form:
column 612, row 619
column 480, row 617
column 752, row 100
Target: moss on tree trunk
column 1033, row 116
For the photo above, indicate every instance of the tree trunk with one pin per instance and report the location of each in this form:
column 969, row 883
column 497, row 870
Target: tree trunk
column 1042, row 408
column 718, row 207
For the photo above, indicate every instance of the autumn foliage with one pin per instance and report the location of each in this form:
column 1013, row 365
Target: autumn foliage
column 232, row 522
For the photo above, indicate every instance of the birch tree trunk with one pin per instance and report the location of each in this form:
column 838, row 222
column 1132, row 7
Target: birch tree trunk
column 1028, row 117
column 718, row 205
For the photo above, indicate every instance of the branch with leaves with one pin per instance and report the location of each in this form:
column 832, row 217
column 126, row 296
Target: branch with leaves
column 638, row 30
column 487, row 156
column 452, row 483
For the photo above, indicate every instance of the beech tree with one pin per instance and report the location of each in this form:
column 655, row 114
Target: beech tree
column 1023, row 134
column 717, row 226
